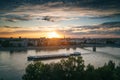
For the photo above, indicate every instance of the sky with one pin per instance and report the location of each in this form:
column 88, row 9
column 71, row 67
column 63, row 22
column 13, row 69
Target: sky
column 69, row 18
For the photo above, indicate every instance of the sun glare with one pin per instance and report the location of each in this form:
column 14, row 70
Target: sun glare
column 53, row 35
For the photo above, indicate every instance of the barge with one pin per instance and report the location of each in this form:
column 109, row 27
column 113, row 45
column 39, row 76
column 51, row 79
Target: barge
column 54, row 56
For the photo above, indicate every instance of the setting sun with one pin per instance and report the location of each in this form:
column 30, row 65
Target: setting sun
column 53, row 35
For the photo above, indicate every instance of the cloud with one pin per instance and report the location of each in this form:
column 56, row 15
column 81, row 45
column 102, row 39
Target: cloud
column 15, row 18
column 105, row 29
column 108, row 28
column 61, row 11
column 48, row 18
column 22, row 30
column 56, row 18
column 96, row 8
column 111, row 24
column 116, row 15
column 12, row 29
column 92, row 4
column 8, row 27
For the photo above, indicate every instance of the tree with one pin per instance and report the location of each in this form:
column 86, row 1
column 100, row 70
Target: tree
column 72, row 68
column 117, row 73
column 107, row 71
column 90, row 73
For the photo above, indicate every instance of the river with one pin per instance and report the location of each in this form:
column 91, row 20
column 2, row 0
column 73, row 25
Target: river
column 13, row 63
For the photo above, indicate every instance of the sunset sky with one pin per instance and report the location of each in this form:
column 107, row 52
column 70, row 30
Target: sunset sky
column 70, row 18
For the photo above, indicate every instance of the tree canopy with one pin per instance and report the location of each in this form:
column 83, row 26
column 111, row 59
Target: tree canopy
column 72, row 68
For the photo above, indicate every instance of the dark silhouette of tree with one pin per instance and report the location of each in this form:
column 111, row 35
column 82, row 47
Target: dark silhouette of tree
column 72, row 68
column 90, row 73
column 117, row 73
column 107, row 71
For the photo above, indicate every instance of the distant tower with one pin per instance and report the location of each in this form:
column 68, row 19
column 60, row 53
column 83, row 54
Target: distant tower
column 11, row 37
column 19, row 37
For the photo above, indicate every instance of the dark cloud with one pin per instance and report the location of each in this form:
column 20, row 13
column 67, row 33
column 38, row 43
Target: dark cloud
column 113, row 24
column 90, row 4
column 14, row 18
column 48, row 18
column 56, row 18
column 110, row 25
column 116, row 15
column 105, row 28
column 9, row 27
column 8, row 5
column 103, row 25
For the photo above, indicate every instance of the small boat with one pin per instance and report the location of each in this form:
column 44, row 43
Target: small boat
column 55, row 56
column 75, row 54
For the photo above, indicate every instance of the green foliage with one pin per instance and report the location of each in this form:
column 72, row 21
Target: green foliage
column 1, row 79
column 71, row 69
column 117, row 73
column 90, row 73
column 107, row 71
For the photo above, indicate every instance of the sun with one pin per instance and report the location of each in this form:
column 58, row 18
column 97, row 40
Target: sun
column 53, row 35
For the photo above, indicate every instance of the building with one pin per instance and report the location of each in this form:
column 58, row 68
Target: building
column 18, row 43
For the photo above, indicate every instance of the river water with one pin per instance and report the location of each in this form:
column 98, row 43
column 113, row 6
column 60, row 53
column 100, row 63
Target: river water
column 13, row 63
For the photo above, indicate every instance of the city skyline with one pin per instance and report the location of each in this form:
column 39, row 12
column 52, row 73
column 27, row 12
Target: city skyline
column 70, row 18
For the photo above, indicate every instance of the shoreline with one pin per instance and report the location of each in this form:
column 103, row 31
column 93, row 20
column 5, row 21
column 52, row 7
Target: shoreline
column 57, row 47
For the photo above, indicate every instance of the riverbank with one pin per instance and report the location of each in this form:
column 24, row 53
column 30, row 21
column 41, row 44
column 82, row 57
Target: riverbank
column 57, row 47
column 33, row 48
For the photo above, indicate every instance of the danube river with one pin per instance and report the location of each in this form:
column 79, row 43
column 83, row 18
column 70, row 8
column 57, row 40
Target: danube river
column 13, row 63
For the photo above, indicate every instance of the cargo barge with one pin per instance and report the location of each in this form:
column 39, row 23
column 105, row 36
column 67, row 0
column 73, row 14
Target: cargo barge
column 54, row 56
